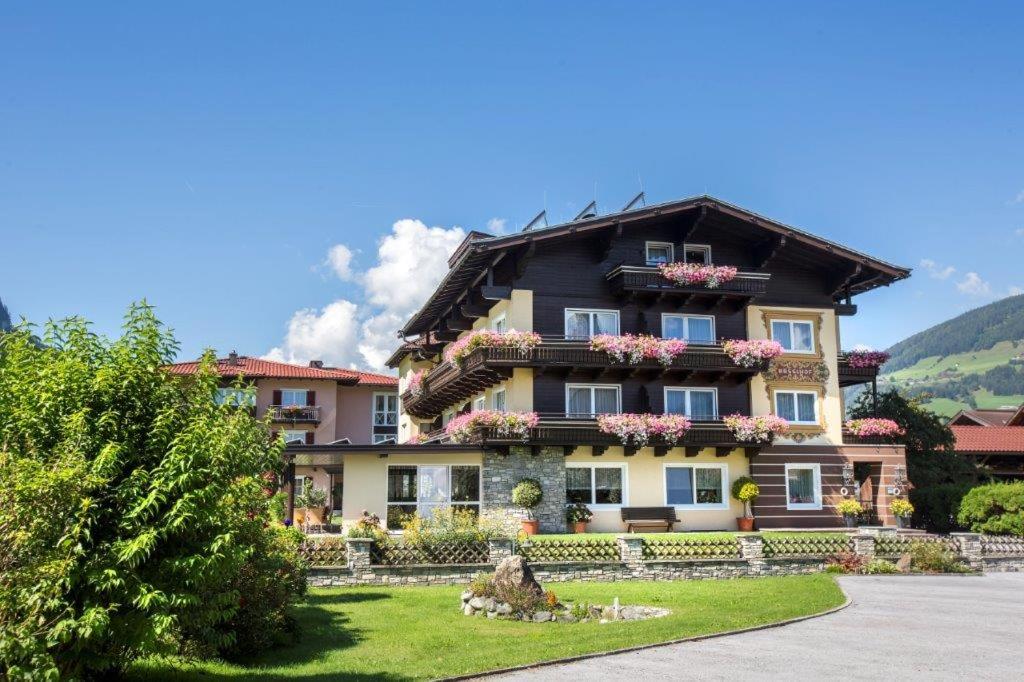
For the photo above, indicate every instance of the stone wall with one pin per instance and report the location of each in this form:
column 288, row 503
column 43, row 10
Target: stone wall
column 502, row 472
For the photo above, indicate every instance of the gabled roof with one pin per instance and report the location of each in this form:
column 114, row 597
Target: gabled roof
column 1010, row 416
column 989, row 439
column 471, row 260
column 259, row 368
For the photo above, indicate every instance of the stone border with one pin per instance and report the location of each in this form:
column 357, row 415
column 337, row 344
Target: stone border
column 642, row 647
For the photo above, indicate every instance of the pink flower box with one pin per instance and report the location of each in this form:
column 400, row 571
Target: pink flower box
column 634, row 349
column 761, row 429
column 416, row 383
column 690, row 274
column 464, row 428
column 874, row 427
column 753, row 352
column 637, row 430
column 481, row 338
column 861, row 359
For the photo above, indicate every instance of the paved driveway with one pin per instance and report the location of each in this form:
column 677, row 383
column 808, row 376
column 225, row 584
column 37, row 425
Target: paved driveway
column 896, row 627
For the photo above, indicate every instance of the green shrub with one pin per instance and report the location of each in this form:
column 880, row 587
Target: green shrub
column 996, row 508
column 446, row 524
column 368, row 526
column 482, row 585
column 934, row 557
column 578, row 512
column 880, row 566
column 132, row 506
column 527, row 495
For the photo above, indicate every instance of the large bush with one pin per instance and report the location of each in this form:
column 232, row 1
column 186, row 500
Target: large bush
column 996, row 508
column 133, row 515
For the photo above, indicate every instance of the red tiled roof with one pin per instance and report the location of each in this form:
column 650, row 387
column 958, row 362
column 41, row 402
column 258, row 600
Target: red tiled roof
column 258, row 368
column 989, row 438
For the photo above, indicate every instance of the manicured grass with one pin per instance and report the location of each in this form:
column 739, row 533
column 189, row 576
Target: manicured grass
column 416, row 633
column 709, row 535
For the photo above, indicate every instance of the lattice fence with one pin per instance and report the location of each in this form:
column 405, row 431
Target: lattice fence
column 570, row 550
column 710, row 548
column 325, row 552
column 806, row 546
column 1002, row 545
column 397, row 554
column 897, row 545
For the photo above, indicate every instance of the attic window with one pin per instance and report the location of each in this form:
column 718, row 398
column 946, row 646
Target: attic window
column 697, row 253
column 659, row 252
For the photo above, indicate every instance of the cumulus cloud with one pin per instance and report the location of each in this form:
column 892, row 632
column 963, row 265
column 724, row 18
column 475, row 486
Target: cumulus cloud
column 973, row 285
column 411, row 261
column 496, row 225
column 935, row 270
column 1015, row 291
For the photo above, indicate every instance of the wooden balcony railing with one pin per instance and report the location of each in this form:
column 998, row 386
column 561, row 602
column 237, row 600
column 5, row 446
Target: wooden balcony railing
column 449, row 383
column 641, row 280
column 296, row 414
column 851, row 376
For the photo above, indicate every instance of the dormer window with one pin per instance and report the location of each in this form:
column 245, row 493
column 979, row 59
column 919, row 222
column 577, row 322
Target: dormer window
column 659, row 252
column 697, row 253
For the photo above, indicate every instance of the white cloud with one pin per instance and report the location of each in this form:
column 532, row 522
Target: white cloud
column 1019, row 199
column 1015, row 291
column 411, row 260
column 935, row 270
column 496, row 225
column 1019, row 232
column 974, row 285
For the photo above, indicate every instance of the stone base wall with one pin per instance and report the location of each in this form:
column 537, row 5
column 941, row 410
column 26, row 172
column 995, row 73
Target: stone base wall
column 993, row 564
column 502, row 472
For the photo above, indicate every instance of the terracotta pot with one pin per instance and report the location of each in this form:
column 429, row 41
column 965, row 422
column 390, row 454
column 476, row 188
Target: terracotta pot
column 745, row 524
column 531, row 527
column 579, row 527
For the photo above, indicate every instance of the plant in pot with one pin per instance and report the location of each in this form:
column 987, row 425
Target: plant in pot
column 850, row 509
column 901, row 508
column 578, row 515
column 746, row 491
column 311, row 498
column 527, row 495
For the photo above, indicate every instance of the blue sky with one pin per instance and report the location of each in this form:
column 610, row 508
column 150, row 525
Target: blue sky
column 208, row 157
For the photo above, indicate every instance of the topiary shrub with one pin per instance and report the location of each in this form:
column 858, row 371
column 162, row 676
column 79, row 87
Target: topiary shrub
column 527, row 494
column 996, row 508
column 746, row 491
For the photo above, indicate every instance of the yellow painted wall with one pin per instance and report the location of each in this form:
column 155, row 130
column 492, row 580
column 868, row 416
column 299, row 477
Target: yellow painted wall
column 518, row 312
column 645, row 486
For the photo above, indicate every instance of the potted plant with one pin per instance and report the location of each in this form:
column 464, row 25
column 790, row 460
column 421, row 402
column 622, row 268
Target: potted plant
column 527, row 495
column 578, row 515
column 311, row 498
column 850, row 509
column 746, row 491
column 902, row 509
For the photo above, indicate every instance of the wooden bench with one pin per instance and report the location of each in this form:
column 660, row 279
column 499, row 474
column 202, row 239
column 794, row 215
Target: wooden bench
column 649, row 517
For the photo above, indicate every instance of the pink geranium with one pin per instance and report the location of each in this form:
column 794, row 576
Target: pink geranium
column 753, row 352
column 760, row 429
column 638, row 430
column 637, row 348
column 867, row 358
column 416, row 383
column 874, row 426
column 458, row 350
column 465, row 427
column 689, row 274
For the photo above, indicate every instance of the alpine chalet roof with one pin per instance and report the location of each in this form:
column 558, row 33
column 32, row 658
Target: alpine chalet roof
column 259, row 368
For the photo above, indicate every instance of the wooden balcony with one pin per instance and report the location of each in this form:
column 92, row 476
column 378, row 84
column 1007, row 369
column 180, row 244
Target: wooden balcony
column 647, row 284
column 851, row 376
column 570, row 358
column 295, row 414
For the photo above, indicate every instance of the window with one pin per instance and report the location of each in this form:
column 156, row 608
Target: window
column 697, row 486
column 499, row 325
column 696, row 403
column 498, row 400
column 795, row 336
column 300, row 484
column 293, row 396
column 241, row 397
column 426, row 488
column 479, row 404
column 595, row 485
column 693, row 328
column 588, row 400
column 582, row 324
column 659, row 252
column 385, row 409
column 294, row 436
column 803, row 486
column 447, row 417
column 798, row 407
column 697, row 253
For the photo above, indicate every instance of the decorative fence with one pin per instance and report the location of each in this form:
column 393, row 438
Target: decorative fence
column 360, row 561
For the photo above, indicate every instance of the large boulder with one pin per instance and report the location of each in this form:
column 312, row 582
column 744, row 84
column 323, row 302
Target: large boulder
column 514, row 571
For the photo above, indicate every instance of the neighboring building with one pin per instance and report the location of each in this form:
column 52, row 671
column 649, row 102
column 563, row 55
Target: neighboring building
column 598, row 274
column 312, row 405
column 993, row 439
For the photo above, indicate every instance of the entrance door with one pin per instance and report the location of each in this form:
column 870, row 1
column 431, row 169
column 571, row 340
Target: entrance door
column 337, row 491
column 868, row 479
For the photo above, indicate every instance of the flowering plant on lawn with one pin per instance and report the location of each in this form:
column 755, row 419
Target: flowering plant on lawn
column 416, row 383
column 462, row 429
column 639, row 429
column 752, row 353
column 761, row 429
column 635, row 348
column 688, row 274
column 867, row 358
column 491, row 339
column 873, row 426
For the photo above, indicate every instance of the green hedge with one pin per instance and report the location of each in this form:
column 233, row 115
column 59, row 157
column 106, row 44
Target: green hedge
column 996, row 508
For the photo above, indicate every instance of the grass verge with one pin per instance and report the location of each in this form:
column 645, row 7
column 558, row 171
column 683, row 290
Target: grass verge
column 417, row 633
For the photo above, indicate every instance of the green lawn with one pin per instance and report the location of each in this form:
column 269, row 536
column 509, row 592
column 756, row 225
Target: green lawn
column 415, row 633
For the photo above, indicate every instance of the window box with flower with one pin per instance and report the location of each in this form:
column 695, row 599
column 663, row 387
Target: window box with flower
column 866, row 359
column 752, row 353
column 697, row 274
column 639, row 430
column 756, row 430
column 635, row 349
column 874, row 429
column 487, row 338
column 506, row 425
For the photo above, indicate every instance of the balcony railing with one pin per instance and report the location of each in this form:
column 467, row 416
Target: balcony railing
column 636, row 279
column 295, row 414
column 851, row 376
column 449, row 383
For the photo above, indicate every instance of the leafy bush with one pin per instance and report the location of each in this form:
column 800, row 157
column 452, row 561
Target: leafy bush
column 996, row 508
column 845, row 562
column 446, row 524
column 578, row 512
column 880, row 567
column 368, row 526
column 521, row 599
column 527, row 494
column 131, row 505
column 482, row 585
column 933, row 557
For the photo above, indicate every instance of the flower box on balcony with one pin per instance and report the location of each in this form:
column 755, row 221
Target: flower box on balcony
column 512, row 425
column 639, row 430
column 481, row 338
column 874, row 429
column 756, row 430
column 752, row 353
column 697, row 274
column 634, row 349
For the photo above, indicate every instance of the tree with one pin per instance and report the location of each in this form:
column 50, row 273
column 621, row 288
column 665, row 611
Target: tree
column 939, row 477
column 130, row 502
column 5, row 318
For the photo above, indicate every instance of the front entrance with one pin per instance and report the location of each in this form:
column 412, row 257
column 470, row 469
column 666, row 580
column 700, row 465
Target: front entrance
column 867, row 480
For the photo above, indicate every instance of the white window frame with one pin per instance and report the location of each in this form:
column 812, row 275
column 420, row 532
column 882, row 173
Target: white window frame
column 706, row 248
column 303, row 391
column 814, row 342
column 284, row 434
column 817, row 504
column 591, row 312
column 686, row 325
column 479, row 403
column 659, row 245
column 618, row 396
column 687, row 390
column 480, row 486
column 494, row 399
column 300, row 484
column 593, row 466
column 697, row 506
column 499, row 321
column 796, row 405
column 386, row 411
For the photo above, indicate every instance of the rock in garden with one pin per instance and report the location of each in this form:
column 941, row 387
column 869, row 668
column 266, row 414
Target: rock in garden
column 466, row 596
column 477, row 602
column 490, row 604
column 492, row 614
column 514, row 571
column 542, row 617
column 467, row 610
column 503, row 609
column 903, row 563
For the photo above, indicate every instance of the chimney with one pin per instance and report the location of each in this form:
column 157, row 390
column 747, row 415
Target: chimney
column 232, row 358
column 316, row 364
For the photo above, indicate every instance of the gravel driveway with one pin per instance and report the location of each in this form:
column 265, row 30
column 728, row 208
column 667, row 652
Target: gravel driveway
column 897, row 627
